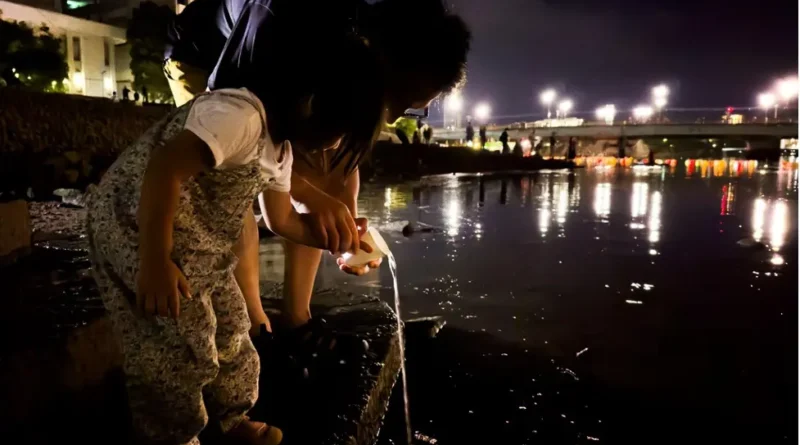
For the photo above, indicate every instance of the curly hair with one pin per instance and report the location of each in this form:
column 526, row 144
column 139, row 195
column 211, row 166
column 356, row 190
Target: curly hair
column 395, row 24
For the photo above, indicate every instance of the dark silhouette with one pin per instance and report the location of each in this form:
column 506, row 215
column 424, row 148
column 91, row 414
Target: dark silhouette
column 470, row 131
column 144, row 94
column 651, row 158
column 552, row 145
column 402, row 136
column 126, row 94
column 416, row 138
column 504, row 141
column 518, row 148
column 572, row 148
column 482, row 135
column 481, row 191
column 135, row 96
column 427, row 134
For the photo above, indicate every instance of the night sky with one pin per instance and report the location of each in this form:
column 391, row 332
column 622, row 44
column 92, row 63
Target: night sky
column 712, row 53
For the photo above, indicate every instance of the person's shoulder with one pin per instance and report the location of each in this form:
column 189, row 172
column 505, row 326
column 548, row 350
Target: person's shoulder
column 240, row 97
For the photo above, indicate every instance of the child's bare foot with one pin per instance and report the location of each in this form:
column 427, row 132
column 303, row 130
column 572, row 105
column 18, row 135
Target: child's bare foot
column 256, row 433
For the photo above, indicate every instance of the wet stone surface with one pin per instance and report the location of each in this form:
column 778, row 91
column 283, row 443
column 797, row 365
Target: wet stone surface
column 59, row 361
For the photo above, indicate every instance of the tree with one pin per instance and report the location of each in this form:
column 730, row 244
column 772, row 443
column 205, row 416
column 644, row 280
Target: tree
column 147, row 35
column 31, row 57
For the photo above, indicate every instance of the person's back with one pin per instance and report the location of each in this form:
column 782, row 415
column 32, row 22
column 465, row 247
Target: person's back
column 197, row 35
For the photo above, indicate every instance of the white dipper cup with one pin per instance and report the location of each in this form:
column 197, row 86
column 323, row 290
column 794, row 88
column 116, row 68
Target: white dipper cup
column 379, row 249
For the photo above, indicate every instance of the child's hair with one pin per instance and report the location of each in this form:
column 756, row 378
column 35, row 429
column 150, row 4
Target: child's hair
column 429, row 24
column 319, row 88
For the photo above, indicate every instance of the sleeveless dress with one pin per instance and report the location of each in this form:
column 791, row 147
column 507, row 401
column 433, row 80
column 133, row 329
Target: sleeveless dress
column 178, row 372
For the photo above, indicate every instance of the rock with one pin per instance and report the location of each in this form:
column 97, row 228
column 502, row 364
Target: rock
column 71, row 197
column 15, row 230
column 345, row 397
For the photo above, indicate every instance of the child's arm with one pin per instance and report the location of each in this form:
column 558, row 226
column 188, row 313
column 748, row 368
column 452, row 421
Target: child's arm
column 331, row 226
column 160, row 281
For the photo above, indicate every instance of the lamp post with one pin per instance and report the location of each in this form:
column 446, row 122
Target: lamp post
column 454, row 103
column 643, row 113
column 660, row 94
column 606, row 113
column 547, row 97
column 482, row 112
column 564, row 107
column 788, row 90
column 767, row 101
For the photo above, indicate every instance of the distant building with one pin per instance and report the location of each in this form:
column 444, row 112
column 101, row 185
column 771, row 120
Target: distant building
column 90, row 47
column 93, row 32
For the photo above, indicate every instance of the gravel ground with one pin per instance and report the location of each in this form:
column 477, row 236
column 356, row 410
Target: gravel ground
column 54, row 220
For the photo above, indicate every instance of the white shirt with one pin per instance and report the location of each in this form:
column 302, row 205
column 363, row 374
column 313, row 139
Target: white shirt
column 232, row 127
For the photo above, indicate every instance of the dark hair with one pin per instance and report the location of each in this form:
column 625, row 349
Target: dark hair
column 317, row 88
column 394, row 25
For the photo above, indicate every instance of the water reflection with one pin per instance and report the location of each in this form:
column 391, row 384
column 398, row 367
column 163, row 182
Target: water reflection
column 728, row 199
column 602, row 200
column 625, row 270
column 778, row 214
column 654, row 223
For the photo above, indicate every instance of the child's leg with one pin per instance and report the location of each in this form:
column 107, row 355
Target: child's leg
column 234, row 390
column 174, row 369
column 300, row 271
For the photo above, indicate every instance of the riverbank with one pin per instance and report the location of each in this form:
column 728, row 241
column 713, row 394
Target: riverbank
column 392, row 161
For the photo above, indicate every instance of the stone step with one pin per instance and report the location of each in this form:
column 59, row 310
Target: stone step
column 69, row 375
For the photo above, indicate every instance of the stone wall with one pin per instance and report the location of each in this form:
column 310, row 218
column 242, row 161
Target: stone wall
column 49, row 141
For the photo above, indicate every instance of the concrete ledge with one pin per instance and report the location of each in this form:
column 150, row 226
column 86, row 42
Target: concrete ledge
column 15, row 231
column 346, row 401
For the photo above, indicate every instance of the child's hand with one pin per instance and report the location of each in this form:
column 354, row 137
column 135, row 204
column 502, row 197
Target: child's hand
column 159, row 286
column 335, row 228
column 361, row 223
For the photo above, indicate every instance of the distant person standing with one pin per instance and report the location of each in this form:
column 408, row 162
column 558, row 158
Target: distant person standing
column 136, row 97
column 144, row 94
column 504, row 141
column 482, row 135
column 126, row 94
column 470, row 131
column 427, row 134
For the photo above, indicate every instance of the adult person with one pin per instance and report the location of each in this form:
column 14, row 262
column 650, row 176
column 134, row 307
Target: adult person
column 197, row 51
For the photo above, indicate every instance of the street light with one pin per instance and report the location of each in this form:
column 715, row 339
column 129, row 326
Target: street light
column 660, row 94
column 767, row 101
column 482, row 111
column 660, row 91
column 454, row 103
column 547, row 97
column 564, row 107
column 606, row 113
column 788, row 88
column 643, row 113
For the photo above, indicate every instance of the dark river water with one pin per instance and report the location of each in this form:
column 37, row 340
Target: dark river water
column 613, row 305
column 605, row 305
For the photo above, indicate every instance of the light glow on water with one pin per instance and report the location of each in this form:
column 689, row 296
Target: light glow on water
column 602, row 199
column 654, row 223
column 778, row 223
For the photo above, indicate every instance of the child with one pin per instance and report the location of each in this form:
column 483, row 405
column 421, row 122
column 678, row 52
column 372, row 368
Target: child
column 165, row 216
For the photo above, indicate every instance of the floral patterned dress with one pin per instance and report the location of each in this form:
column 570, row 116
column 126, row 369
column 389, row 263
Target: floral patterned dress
column 179, row 372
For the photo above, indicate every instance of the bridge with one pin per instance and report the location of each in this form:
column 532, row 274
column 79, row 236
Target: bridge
column 636, row 131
